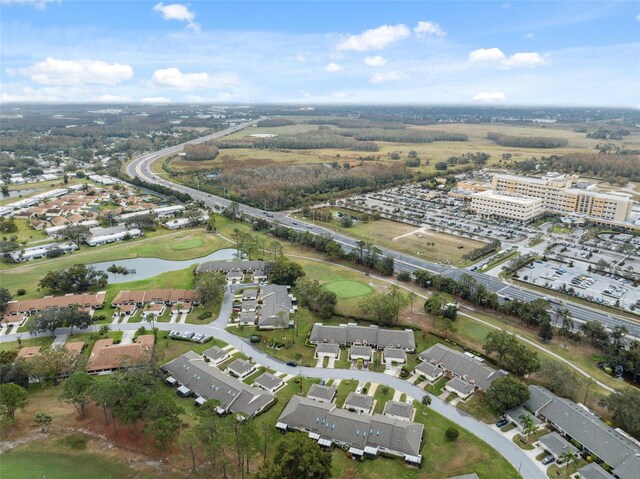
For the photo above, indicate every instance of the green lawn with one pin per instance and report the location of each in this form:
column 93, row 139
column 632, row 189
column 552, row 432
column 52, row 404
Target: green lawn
column 346, row 289
column 476, row 406
column 382, row 395
column 26, row 342
column 188, row 244
column 345, row 387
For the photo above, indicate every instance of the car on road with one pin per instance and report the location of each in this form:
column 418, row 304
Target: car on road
column 548, row 460
column 293, row 364
column 502, row 423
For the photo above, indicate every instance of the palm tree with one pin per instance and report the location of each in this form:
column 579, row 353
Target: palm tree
column 569, row 458
column 528, row 426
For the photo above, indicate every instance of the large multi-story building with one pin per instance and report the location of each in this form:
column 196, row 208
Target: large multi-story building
column 557, row 193
column 512, row 206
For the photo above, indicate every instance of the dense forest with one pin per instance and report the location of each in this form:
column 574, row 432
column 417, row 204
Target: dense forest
column 403, row 136
column 357, row 123
column 526, row 141
column 603, row 165
column 274, row 122
column 323, row 138
column 283, row 187
column 201, row 152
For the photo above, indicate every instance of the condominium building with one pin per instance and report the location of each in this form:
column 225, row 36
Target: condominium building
column 512, row 206
column 559, row 195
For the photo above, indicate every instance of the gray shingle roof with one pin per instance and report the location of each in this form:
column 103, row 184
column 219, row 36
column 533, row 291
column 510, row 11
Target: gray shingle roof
column 327, row 348
column 360, row 350
column 593, row 471
column 429, row 369
column 372, row 335
column 395, row 354
column 462, row 365
column 275, row 299
column 399, row 409
column 556, row 444
column 352, row 429
column 209, row 382
column 240, row 366
column 268, row 380
column 325, row 393
column 356, row 400
column 461, row 386
column 215, row 353
column 585, row 427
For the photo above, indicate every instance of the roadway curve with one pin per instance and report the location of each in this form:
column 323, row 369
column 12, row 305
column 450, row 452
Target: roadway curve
column 529, row 468
column 140, row 167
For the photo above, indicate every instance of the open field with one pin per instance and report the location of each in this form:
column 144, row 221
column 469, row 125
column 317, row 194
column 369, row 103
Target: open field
column 427, row 244
column 27, row 234
column 345, row 289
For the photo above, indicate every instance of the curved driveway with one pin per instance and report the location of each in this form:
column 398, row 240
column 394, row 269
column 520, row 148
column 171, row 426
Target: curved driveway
column 529, row 468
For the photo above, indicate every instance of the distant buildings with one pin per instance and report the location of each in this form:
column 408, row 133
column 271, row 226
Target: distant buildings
column 16, row 312
column 522, row 198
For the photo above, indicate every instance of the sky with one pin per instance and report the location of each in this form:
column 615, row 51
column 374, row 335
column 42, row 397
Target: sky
column 547, row 53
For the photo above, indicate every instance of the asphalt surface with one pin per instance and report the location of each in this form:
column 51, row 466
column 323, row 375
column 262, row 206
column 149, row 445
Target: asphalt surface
column 140, row 167
column 528, row 468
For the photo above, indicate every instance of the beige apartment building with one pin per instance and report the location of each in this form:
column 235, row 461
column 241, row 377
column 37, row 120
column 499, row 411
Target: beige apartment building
column 557, row 195
column 512, row 206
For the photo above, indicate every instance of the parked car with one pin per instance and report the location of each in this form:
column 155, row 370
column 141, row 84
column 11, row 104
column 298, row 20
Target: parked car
column 502, row 423
column 293, row 364
column 548, row 460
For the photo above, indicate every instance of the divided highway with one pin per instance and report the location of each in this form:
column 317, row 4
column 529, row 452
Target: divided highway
column 141, row 167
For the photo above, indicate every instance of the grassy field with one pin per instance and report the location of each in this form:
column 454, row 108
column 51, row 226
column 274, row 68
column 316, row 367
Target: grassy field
column 187, row 244
column 26, row 234
column 159, row 244
column 421, row 242
column 346, row 289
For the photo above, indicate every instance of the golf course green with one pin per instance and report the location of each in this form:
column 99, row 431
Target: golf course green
column 346, row 289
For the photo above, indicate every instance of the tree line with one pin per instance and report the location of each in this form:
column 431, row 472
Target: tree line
column 200, row 152
column 527, row 141
column 403, row 135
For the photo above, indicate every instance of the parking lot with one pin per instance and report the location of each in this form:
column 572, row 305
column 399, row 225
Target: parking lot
column 577, row 280
column 417, row 205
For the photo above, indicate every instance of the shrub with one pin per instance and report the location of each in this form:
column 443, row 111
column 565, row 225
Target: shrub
column 21, row 292
column 452, row 433
column 205, row 315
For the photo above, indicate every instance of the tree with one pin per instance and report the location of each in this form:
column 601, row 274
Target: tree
column 106, row 394
column 570, row 459
column 559, row 378
column 286, row 272
column 528, row 426
column 451, row 433
column 448, row 327
column 625, row 407
column 12, row 398
column 51, row 364
column 76, row 233
column 146, row 222
column 43, row 420
column 77, row 391
column 211, row 224
column 51, row 319
column 210, row 287
column 296, row 457
column 506, row 393
column 379, row 308
column 546, row 331
column 5, row 297
column 426, row 400
column 511, row 355
column 313, row 296
column 76, row 279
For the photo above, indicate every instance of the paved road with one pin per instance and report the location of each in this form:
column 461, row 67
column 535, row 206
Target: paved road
column 140, row 167
column 530, row 469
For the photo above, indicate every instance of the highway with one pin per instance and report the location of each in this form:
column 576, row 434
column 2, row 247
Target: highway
column 140, row 167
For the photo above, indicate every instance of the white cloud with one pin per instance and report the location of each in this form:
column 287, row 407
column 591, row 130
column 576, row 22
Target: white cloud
column 333, row 68
column 489, row 96
column 178, row 12
column 525, row 59
column 385, row 77
column 340, row 95
column 529, row 35
column 376, row 61
column 486, row 55
column 107, row 98
column 638, row 17
column 301, row 58
column 74, row 72
column 155, row 100
column 424, row 29
column 175, row 79
column 39, row 4
column 375, row 38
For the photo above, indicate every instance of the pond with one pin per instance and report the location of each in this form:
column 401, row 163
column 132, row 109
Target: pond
column 150, row 267
column 21, row 192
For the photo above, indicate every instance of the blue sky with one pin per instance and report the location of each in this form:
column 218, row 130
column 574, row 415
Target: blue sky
column 497, row 53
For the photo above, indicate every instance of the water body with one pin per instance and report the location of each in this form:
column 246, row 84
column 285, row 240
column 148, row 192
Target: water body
column 150, row 267
column 24, row 192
